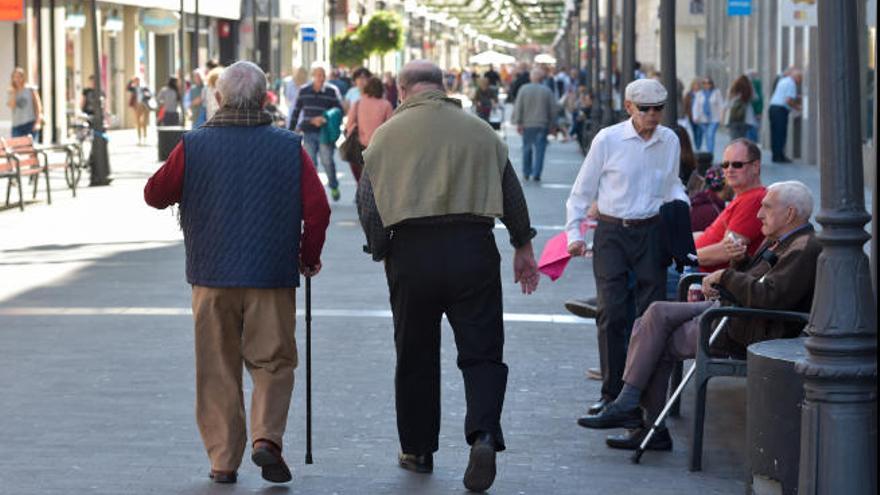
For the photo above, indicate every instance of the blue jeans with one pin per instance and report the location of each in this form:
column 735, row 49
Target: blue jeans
column 534, row 137
column 708, row 131
column 316, row 149
column 778, row 131
column 25, row 129
column 752, row 133
column 698, row 135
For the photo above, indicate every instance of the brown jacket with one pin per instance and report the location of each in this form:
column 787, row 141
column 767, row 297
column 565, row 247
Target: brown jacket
column 786, row 285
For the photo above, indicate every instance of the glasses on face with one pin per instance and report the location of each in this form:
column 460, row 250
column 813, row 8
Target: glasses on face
column 648, row 108
column 736, row 165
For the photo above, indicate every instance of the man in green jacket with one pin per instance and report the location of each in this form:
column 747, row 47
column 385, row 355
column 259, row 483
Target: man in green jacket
column 435, row 180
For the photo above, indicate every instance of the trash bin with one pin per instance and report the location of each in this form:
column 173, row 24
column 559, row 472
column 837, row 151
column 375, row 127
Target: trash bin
column 775, row 396
column 169, row 136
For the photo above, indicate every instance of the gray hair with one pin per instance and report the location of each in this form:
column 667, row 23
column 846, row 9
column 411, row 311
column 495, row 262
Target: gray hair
column 242, row 86
column 420, row 72
column 795, row 194
column 536, row 74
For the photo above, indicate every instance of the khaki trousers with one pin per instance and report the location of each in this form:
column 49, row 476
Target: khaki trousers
column 235, row 326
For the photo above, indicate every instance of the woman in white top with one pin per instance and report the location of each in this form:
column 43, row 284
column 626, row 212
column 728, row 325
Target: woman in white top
column 708, row 106
column 27, row 109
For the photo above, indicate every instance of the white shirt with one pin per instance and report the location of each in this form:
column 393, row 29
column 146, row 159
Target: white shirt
column 628, row 176
column 786, row 88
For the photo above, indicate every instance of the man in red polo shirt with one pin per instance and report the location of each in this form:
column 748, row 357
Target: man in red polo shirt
column 737, row 231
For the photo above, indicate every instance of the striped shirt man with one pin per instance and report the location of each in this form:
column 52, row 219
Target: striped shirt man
column 312, row 103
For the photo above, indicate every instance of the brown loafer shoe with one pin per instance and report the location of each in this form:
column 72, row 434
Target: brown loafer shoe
column 224, row 477
column 267, row 455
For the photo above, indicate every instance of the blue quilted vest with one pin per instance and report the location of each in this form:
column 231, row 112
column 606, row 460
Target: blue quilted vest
column 241, row 210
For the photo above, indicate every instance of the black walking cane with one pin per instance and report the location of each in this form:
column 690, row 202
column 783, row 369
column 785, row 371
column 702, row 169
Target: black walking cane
column 308, row 369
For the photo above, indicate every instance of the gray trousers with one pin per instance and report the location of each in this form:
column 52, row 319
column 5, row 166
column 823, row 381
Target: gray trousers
column 617, row 251
column 665, row 334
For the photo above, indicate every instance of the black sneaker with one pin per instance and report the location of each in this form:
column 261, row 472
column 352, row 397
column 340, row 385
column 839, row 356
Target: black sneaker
column 480, row 472
column 585, row 308
column 661, row 440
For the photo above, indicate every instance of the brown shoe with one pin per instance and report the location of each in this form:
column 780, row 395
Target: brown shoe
column 594, row 374
column 224, row 477
column 267, row 455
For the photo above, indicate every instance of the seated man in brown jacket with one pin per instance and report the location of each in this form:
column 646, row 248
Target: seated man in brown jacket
column 780, row 276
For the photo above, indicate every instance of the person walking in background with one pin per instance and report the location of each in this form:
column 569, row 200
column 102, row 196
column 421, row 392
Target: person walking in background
column 315, row 99
column 210, row 93
column 169, row 99
column 360, row 77
column 707, row 109
column 197, row 99
column 533, row 113
column 27, row 109
column 366, row 115
column 630, row 171
column 785, row 99
column 390, row 87
column 688, row 104
column 520, row 79
column 138, row 100
column 244, row 266
column 485, row 98
column 439, row 177
column 757, row 105
column 291, row 87
column 739, row 113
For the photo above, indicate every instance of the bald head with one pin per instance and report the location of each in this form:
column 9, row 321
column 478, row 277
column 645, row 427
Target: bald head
column 418, row 76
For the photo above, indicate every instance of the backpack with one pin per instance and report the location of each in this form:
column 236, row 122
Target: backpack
column 737, row 111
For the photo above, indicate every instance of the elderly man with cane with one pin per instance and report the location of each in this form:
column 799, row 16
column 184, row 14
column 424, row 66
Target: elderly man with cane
column 254, row 215
column 781, row 275
column 436, row 178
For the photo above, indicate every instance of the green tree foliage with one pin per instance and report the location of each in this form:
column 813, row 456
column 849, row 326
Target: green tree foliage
column 347, row 49
column 383, row 33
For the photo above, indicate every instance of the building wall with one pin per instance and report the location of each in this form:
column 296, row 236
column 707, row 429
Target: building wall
column 7, row 64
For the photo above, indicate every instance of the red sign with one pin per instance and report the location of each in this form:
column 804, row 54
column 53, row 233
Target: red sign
column 11, row 10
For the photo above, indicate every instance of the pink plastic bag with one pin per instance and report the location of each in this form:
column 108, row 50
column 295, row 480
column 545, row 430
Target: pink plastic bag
column 555, row 257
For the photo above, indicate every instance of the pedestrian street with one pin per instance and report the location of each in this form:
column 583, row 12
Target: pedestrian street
column 96, row 345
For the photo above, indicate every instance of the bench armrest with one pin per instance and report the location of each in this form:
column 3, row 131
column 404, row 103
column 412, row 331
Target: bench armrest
column 685, row 281
column 713, row 314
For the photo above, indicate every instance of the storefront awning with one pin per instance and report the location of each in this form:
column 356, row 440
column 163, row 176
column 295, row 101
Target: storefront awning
column 223, row 9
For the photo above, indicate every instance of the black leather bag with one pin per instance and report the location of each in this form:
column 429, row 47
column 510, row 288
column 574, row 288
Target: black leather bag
column 351, row 149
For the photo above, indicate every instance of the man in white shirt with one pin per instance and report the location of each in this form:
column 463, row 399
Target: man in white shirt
column 785, row 99
column 630, row 171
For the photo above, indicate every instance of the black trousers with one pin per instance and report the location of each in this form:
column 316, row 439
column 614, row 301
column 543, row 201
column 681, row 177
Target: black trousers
column 619, row 250
column 451, row 269
column 778, row 130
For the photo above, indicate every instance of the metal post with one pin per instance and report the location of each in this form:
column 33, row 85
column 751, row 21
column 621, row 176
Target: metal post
column 99, row 160
column 667, row 61
column 194, row 48
column 254, row 32
column 577, row 41
column 181, row 80
column 38, row 9
column 628, row 42
column 839, row 416
column 591, row 66
column 609, row 64
column 594, row 20
column 52, row 97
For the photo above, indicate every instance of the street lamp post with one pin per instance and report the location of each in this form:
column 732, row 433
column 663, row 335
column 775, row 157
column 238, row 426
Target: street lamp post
column 609, row 63
column 181, row 83
column 667, row 61
column 99, row 160
column 594, row 20
column 591, row 66
column 628, row 40
column 839, row 416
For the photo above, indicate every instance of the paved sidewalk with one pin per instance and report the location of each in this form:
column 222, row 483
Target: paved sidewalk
column 96, row 364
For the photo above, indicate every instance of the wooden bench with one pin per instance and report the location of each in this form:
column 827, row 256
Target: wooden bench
column 22, row 158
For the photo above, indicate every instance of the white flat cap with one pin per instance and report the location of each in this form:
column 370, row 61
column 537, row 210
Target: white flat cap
column 645, row 92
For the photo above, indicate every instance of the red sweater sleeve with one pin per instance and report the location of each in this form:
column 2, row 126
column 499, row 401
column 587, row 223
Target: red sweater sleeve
column 165, row 187
column 315, row 212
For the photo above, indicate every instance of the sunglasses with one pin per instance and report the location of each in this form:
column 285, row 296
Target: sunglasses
column 736, row 165
column 648, row 108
